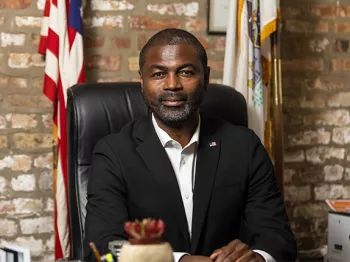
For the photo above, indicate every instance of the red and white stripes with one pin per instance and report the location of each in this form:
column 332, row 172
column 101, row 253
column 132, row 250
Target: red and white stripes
column 63, row 46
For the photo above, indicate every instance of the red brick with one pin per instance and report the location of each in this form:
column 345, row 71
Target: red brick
column 38, row 60
column 216, row 65
column 328, row 192
column 40, row 5
column 311, row 210
column 3, row 142
column 93, row 42
column 3, row 123
column 308, row 175
column 324, row 83
column 298, row 26
column 318, row 45
column 28, row 21
column 141, row 41
column 9, row 39
column 291, row 12
column 341, row 45
column 310, row 64
column 309, row 137
column 339, row 117
column 343, row 11
column 323, row 11
column 47, row 120
column 133, row 63
column 195, row 25
column 19, row 60
column 302, row 46
column 293, row 193
column 22, row 121
column 7, row 207
column 12, row 82
column 32, row 141
column 121, row 42
column 103, row 62
column 340, row 64
column 179, row 9
column 31, row 226
column 14, row 4
column 35, row 245
column 107, row 5
column 108, row 21
column 18, row 82
column 220, row 44
column 145, row 22
column 341, row 99
column 27, row 101
column 342, row 27
column 311, row 245
column 312, row 101
column 341, row 136
column 35, row 39
column 37, row 83
column 9, row 228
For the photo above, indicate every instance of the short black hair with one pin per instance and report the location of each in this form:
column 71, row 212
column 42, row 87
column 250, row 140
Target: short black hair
column 174, row 36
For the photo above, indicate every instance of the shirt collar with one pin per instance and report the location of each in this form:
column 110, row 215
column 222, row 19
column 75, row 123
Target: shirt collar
column 165, row 139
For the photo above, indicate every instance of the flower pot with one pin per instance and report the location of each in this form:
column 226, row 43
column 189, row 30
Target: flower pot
column 158, row 252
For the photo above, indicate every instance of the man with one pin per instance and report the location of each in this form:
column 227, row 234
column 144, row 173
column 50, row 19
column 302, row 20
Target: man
column 211, row 182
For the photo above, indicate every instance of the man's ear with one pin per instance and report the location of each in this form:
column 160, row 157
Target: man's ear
column 141, row 79
column 207, row 76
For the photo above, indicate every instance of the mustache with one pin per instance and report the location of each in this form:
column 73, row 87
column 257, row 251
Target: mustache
column 172, row 97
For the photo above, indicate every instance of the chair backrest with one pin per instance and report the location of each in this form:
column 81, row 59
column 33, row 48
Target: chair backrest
column 96, row 110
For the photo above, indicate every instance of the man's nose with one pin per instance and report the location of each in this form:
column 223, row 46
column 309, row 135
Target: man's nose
column 173, row 82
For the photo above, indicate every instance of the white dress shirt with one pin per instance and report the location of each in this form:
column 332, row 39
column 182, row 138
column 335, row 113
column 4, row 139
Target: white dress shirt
column 184, row 161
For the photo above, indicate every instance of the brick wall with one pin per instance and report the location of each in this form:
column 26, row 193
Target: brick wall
column 26, row 203
column 316, row 95
column 315, row 50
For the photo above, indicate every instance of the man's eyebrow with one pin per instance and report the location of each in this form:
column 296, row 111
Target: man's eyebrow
column 188, row 65
column 164, row 68
column 160, row 67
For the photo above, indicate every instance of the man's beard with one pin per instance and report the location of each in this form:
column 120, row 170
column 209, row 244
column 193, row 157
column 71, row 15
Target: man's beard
column 176, row 114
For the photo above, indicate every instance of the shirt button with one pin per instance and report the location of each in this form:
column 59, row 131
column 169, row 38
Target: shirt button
column 183, row 162
column 187, row 196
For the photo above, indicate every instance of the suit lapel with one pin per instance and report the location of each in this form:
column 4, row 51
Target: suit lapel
column 207, row 161
column 156, row 159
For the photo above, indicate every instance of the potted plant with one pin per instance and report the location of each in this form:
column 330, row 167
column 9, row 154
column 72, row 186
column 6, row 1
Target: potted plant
column 145, row 244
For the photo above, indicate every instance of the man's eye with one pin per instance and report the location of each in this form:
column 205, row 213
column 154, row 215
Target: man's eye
column 158, row 74
column 186, row 73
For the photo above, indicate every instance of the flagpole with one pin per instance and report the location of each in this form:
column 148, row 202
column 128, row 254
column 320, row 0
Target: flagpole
column 277, row 108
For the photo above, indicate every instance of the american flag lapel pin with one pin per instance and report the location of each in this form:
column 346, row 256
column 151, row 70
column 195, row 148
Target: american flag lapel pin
column 211, row 144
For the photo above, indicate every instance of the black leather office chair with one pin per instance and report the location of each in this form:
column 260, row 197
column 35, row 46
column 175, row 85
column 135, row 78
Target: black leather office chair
column 96, row 110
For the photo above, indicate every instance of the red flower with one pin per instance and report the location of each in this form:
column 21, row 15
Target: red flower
column 147, row 229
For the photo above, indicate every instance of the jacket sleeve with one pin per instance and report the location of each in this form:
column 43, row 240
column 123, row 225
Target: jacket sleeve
column 266, row 225
column 106, row 208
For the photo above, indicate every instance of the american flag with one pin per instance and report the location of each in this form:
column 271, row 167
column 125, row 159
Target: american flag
column 62, row 43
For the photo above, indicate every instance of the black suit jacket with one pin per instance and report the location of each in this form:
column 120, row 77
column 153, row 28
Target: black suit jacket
column 235, row 193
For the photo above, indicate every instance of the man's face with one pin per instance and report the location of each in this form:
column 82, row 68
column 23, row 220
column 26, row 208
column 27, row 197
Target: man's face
column 173, row 81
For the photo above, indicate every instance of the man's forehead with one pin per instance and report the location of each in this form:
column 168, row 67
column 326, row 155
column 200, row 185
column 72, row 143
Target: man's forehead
column 172, row 49
column 171, row 52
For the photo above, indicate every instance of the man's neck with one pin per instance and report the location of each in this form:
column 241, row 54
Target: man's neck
column 181, row 132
